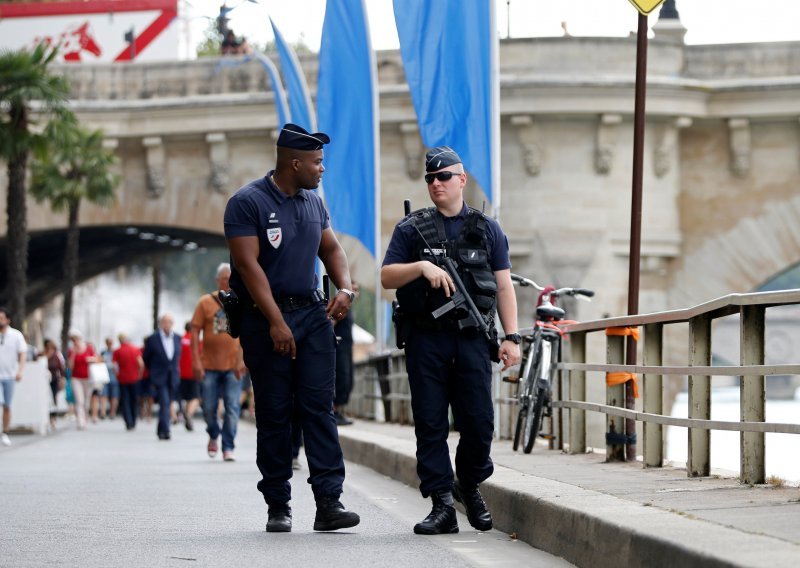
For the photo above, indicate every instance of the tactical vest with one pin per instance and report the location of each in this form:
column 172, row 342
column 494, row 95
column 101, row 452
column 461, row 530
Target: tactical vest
column 470, row 251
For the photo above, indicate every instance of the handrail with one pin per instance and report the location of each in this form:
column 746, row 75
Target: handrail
column 752, row 372
column 720, row 307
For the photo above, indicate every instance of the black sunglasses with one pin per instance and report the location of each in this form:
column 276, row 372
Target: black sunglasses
column 441, row 176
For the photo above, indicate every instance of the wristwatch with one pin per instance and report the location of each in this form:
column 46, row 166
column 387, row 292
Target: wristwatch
column 513, row 338
column 350, row 294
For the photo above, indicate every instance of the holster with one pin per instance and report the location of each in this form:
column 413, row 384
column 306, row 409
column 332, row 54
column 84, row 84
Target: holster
column 401, row 325
column 233, row 311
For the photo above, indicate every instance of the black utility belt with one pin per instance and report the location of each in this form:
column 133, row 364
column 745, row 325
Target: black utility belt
column 292, row 303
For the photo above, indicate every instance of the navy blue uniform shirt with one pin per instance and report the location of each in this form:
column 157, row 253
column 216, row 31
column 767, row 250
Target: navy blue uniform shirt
column 403, row 245
column 289, row 231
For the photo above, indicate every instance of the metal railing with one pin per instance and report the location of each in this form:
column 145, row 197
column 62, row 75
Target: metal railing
column 383, row 378
column 752, row 372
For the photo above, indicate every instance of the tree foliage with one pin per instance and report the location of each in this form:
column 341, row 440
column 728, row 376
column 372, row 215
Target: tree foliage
column 26, row 86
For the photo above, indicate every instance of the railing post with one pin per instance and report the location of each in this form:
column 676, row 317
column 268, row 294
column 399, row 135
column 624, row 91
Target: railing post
column 752, row 390
column 653, row 395
column 615, row 396
column 577, row 391
column 699, row 460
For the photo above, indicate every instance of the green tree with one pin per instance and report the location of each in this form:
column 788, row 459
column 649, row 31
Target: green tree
column 24, row 78
column 75, row 168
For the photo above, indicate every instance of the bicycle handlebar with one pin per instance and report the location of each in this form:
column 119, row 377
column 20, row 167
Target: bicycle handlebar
column 522, row 281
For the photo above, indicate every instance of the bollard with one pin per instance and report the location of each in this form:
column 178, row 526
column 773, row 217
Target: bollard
column 752, row 401
column 698, row 463
column 653, row 395
column 615, row 396
column 577, row 391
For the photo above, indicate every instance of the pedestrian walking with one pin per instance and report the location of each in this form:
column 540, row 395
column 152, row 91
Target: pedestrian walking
column 13, row 353
column 57, row 368
column 109, row 396
column 129, row 366
column 448, row 365
column 219, row 366
column 190, row 385
column 162, row 353
column 79, row 357
column 276, row 227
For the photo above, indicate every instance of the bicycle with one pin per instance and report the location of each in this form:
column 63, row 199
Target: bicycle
column 540, row 350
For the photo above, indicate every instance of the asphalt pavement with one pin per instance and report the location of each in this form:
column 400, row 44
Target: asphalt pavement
column 106, row 497
column 595, row 513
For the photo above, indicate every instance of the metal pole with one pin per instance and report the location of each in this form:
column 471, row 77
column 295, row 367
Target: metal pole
column 636, row 219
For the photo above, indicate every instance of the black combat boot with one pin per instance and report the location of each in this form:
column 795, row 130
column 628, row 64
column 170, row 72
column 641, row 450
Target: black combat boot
column 279, row 518
column 442, row 518
column 331, row 515
column 477, row 513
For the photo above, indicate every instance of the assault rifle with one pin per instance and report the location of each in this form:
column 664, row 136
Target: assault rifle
column 460, row 299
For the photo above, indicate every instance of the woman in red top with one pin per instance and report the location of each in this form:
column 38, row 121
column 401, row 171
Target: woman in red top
column 78, row 358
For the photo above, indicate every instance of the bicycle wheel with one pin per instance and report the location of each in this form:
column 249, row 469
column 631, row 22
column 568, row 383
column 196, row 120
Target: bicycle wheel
column 534, row 421
column 521, row 416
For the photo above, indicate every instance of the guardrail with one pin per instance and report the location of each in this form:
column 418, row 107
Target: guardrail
column 752, row 372
column 383, row 378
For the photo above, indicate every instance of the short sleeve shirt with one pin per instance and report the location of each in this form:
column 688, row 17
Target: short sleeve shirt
column 220, row 351
column 12, row 343
column 127, row 359
column 403, row 245
column 289, row 231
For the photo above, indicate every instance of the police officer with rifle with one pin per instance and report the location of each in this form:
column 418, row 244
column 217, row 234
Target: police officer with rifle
column 451, row 268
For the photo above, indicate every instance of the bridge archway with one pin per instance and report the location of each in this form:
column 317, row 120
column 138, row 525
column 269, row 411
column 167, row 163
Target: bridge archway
column 102, row 248
column 742, row 258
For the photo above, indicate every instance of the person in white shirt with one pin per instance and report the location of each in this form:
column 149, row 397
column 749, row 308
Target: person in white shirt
column 13, row 352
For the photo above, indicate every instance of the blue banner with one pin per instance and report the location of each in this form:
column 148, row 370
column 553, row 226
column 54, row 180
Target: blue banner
column 302, row 111
column 348, row 112
column 449, row 56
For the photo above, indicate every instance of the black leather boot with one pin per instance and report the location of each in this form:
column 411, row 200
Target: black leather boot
column 279, row 518
column 477, row 512
column 442, row 518
column 331, row 515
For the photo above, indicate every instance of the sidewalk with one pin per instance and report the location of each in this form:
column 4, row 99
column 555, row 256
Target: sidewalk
column 594, row 513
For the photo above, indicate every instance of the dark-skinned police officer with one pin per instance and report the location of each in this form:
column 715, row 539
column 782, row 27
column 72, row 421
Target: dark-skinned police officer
column 447, row 365
column 276, row 228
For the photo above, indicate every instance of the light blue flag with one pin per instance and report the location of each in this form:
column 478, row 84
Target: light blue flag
column 449, row 50
column 296, row 86
column 348, row 112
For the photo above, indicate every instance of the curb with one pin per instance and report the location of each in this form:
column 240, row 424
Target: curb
column 586, row 527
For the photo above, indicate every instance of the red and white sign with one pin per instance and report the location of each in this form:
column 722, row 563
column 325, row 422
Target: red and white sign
column 94, row 30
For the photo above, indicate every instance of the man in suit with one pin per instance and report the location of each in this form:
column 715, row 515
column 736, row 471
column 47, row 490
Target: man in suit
column 162, row 353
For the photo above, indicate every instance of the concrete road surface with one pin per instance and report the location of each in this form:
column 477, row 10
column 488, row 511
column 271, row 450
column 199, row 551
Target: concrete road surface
column 107, row 497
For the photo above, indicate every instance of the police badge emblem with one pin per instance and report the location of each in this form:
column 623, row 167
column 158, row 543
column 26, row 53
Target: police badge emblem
column 274, row 236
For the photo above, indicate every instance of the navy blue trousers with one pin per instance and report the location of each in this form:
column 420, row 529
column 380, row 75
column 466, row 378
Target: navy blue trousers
column 448, row 368
column 304, row 385
column 165, row 394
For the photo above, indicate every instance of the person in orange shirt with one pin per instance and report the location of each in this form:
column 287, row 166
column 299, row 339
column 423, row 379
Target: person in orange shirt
column 220, row 366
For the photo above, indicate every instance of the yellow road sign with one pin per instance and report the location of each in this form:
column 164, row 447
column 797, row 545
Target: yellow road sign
column 646, row 6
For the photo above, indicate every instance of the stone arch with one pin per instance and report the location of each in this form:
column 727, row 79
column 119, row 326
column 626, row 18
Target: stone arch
column 740, row 258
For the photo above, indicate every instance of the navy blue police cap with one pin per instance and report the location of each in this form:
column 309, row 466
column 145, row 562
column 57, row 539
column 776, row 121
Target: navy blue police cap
column 440, row 157
column 298, row 138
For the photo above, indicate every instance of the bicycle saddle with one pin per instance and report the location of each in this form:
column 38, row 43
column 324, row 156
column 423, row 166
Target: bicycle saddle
column 549, row 312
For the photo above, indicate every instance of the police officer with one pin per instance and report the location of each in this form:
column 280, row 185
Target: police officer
column 276, row 228
column 448, row 364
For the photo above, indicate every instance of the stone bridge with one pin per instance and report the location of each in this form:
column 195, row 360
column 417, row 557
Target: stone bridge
column 722, row 164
